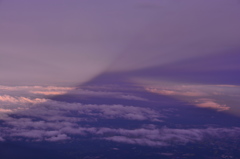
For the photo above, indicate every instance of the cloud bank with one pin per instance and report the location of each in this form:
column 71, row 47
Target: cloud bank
column 49, row 120
column 218, row 97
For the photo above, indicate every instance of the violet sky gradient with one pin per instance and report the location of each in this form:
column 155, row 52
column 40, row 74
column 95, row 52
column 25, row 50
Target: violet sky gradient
column 61, row 42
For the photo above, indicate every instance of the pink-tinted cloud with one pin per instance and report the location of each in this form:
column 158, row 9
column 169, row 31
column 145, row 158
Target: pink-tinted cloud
column 218, row 97
column 209, row 103
column 49, row 92
column 20, row 100
column 5, row 110
column 177, row 92
column 33, row 91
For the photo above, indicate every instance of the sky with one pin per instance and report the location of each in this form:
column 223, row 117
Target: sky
column 67, row 64
column 71, row 42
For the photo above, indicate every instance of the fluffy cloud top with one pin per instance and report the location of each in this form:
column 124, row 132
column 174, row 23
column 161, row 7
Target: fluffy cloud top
column 55, row 121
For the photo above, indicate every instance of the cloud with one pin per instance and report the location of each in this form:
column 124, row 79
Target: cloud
column 32, row 92
column 177, row 92
column 37, row 134
column 168, row 136
column 49, row 92
column 5, row 110
column 35, row 91
column 41, row 119
column 16, row 88
column 132, row 97
column 57, row 121
column 59, row 137
column 52, row 109
column 40, row 135
column 10, row 104
column 218, row 97
column 6, row 99
column 54, row 130
column 209, row 103
column 36, row 119
column 156, row 137
column 28, row 113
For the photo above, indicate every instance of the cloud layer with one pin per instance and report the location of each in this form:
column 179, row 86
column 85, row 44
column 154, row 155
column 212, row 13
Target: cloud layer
column 43, row 119
column 218, row 97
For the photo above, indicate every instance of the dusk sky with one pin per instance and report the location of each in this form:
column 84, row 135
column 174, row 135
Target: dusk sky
column 70, row 42
column 111, row 59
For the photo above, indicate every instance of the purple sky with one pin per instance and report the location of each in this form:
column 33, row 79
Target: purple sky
column 70, row 42
column 55, row 55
